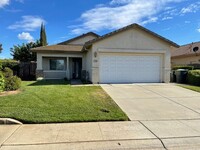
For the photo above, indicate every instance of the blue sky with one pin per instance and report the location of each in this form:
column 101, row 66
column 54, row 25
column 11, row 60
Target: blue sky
column 20, row 20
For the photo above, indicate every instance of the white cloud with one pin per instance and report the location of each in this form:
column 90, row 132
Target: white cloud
column 7, row 2
column 167, row 18
column 4, row 3
column 198, row 30
column 26, row 36
column 113, row 2
column 28, row 23
column 119, row 13
column 149, row 20
column 192, row 8
column 171, row 12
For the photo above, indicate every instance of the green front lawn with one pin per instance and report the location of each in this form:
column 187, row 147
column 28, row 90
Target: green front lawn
column 56, row 101
column 191, row 87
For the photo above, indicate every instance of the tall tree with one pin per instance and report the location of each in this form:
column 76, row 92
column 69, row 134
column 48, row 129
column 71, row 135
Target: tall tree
column 23, row 52
column 1, row 48
column 43, row 37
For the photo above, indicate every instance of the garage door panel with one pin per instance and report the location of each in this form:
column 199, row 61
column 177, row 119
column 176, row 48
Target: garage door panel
column 126, row 69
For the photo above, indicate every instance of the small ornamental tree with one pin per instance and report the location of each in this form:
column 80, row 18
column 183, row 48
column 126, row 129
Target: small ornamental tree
column 1, row 48
column 43, row 37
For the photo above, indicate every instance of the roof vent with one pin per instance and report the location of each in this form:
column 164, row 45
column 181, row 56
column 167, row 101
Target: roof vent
column 195, row 49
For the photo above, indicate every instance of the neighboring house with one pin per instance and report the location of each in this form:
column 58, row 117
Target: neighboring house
column 128, row 55
column 185, row 55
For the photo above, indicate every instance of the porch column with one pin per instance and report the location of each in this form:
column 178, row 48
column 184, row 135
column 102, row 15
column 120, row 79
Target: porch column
column 39, row 62
column 39, row 69
column 67, row 72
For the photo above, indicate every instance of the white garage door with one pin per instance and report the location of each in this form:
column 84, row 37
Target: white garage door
column 129, row 69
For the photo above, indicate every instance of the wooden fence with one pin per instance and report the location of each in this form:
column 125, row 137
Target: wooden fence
column 26, row 70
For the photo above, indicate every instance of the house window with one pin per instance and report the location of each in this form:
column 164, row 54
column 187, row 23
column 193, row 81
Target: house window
column 57, row 64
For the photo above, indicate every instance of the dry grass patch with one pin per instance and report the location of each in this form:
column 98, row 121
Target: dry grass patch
column 6, row 93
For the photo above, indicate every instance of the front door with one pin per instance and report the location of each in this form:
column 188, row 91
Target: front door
column 76, row 68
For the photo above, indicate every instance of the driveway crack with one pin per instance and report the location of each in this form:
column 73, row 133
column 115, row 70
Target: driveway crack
column 154, row 135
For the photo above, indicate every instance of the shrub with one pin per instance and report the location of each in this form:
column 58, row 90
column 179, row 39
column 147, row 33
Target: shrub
column 1, row 67
column 12, row 64
column 196, row 66
column 12, row 83
column 2, row 82
column 194, row 77
column 183, row 67
column 7, row 72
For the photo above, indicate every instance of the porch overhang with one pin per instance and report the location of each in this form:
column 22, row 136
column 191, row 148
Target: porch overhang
column 71, row 48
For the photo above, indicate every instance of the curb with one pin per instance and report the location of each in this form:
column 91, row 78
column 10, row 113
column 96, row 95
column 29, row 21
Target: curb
column 9, row 121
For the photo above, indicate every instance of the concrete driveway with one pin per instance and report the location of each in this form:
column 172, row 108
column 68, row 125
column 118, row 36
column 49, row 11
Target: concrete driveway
column 148, row 102
column 169, row 112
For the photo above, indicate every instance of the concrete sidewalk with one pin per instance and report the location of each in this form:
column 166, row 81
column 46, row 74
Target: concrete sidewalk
column 102, row 135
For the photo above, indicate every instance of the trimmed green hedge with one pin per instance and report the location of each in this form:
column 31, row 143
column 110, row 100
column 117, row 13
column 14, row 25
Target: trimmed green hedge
column 12, row 64
column 183, row 67
column 193, row 77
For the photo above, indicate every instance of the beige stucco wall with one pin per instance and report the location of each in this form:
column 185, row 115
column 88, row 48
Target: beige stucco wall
column 84, row 61
column 83, row 40
column 89, row 67
column 43, row 64
column 133, row 41
column 186, row 60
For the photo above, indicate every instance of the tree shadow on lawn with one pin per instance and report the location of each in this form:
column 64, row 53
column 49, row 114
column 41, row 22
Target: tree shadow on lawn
column 49, row 82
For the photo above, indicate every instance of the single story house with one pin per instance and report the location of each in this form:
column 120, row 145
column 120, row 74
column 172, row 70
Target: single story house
column 186, row 55
column 129, row 55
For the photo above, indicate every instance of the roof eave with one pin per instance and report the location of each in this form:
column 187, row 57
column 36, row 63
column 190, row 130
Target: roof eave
column 57, row 51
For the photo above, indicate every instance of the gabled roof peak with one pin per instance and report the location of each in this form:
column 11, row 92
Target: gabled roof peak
column 78, row 37
column 134, row 25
